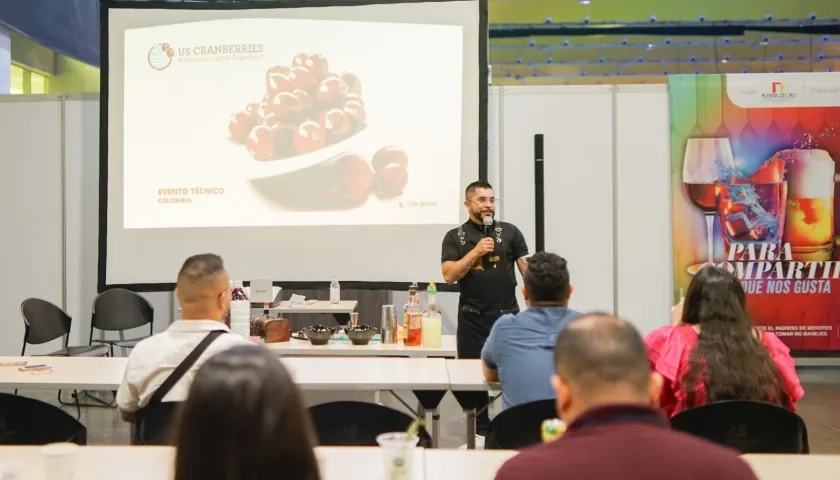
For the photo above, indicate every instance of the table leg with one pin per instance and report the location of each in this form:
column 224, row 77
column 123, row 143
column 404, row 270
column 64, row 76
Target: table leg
column 470, row 428
column 435, row 427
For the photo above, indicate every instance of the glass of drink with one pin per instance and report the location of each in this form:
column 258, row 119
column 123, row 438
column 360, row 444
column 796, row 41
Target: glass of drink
column 398, row 454
column 707, row 161
column 752, row 214
column 809, row 226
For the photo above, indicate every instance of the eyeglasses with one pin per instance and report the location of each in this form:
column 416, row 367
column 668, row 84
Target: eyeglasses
column 485, row 200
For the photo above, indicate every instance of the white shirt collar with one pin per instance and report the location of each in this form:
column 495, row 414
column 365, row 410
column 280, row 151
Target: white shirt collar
column 196, row 326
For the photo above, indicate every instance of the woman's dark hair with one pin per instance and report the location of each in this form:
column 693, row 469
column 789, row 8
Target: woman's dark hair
column 244, row 418
column 729, row 359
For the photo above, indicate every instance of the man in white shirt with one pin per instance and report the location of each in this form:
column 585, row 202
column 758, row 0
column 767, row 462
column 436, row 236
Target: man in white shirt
column 203, row 290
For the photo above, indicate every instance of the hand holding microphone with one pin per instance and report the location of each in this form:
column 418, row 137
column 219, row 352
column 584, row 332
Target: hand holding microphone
column 484, row 246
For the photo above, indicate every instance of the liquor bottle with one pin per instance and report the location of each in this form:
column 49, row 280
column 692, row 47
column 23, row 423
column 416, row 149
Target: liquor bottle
column 240, row 311
column 335, row 291
column 402, row 330
column 414, row 318
column 431, row 325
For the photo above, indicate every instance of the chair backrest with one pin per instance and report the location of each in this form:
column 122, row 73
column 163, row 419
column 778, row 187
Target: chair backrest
column 519, row 426
column 350, row 423
column 153, row 424
column 44, row 321
column 120, row 309
column 749, row 427
column 26, row 421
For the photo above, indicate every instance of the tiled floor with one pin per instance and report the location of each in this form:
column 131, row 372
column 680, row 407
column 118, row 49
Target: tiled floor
column 818, row 408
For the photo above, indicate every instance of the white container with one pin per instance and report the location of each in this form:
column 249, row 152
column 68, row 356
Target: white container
column 398, row 454
column 59, row 461
column 335, row 291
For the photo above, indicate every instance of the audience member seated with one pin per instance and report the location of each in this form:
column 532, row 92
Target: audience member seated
column 245, row 419
column 607, row 396
column 203, row 291
column 712, row 352
column 518, row 351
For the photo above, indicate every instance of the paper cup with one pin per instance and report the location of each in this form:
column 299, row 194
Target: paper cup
column 397, row 454
column 59, row 461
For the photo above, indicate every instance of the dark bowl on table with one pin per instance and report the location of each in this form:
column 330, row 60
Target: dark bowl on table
column 361, row 334
column 318, row 334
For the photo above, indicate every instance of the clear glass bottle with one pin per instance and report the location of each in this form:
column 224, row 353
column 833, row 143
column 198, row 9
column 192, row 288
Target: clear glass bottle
column 414, row 319
column 432, row 321
column 240, row 311
column 335, row 291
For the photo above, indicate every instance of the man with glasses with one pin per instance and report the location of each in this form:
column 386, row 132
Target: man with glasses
column 481, row 258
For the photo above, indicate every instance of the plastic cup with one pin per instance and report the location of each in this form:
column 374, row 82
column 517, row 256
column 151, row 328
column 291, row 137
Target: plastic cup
column 59, row 461
column 398, row 454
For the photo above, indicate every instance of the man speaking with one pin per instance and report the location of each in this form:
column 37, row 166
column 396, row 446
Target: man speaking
column 479, row 256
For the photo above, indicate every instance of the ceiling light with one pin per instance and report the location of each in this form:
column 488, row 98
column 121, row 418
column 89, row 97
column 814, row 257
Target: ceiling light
column 585, row 2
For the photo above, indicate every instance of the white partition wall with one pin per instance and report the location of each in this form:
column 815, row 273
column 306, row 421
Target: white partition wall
column 643, row 207
column 577, row 124
column 31, row 195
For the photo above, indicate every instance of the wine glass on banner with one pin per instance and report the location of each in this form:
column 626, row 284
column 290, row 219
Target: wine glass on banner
column 707, row 162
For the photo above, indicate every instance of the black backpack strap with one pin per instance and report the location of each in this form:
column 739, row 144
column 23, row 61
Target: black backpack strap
column 184, row 367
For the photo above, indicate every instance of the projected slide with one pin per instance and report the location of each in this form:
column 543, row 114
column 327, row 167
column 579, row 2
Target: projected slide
column 287, row 122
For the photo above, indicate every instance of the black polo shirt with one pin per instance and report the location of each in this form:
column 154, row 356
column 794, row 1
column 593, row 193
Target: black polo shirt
column 488, row 290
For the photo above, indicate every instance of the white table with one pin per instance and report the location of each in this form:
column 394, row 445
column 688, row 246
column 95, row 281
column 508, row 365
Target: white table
column 369, row 373
column 321, row 306
column 68, row 373
column 465, row 464
column 344, row 348
column 786, row 467
column 466, row 375
column 146, row 463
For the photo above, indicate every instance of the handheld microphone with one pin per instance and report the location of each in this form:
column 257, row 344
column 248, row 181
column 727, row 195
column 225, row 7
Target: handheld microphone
column 488, row 226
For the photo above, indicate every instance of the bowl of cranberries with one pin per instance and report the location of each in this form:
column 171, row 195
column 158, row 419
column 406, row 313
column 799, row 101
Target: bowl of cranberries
column 305, row 115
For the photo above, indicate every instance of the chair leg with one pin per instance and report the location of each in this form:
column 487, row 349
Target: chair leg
column 75, row 403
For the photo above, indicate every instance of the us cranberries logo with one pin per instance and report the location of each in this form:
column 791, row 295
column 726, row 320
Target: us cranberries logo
column 160, row 56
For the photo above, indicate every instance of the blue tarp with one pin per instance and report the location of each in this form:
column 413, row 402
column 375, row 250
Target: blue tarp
column 69, row 27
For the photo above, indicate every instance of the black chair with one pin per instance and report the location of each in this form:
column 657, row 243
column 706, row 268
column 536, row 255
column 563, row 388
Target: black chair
column 118, row 310
column 749, row 427
column 520, row 426
column 344, row 424
column 45, row 322
column 26, row 421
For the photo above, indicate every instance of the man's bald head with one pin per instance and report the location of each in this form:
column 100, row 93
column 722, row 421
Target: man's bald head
column 598, row 353
column 201, row 281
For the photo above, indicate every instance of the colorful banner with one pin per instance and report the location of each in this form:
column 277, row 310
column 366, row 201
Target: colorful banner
column 753, row 180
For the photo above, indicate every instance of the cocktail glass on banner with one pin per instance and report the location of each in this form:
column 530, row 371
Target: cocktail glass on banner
column 398, row 454
column 752, row 214
column 707, row 161
column 809, row 227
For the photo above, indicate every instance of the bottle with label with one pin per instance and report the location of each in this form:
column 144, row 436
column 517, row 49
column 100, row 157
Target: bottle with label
column 227, row 314
column 240, row 311
column 414, row 319
column 402, row 330
column 335, row 291
column 432, row 322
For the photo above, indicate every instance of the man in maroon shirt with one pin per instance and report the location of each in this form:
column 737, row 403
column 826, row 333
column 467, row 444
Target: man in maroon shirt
column 606, row 395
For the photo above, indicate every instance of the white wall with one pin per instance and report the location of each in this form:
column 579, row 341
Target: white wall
column 607, row 202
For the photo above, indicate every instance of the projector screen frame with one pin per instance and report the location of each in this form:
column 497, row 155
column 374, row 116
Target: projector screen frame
column 107, row 5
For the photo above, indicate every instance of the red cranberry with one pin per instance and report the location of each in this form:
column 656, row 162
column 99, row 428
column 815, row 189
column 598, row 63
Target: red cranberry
column 336, row 124
column 252, row 108
column 387, row 156
column 309, row 137
column 170, row 53
column 355, row 97
column 264, row 111
column 317, row 64
column 331, row 91
column 353, row 177
column 300, row 60
column 283, row 132
column 276, row 70
column 354, row 86
column 260, row 143
column 390, row 181
column 286, row 105
column 356, row 113
column 305, row 99
column 302, row 78
column 278, row 83
column 240, row 126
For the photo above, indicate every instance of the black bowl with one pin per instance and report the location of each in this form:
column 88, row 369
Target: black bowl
column 318, row 334
column 361, row 334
